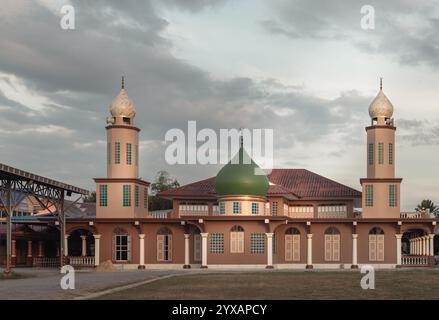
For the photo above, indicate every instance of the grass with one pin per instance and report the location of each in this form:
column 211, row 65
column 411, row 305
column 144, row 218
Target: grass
column 391, row 284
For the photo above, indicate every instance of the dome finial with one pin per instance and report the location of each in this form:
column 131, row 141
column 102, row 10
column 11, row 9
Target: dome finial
column 123, row 82
column 381, row 83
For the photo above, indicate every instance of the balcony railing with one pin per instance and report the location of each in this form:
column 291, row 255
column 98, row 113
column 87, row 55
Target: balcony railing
column 43, row 262
column 413, row 215
column 415, row 260
column 159, row 214
column 82, row 261
column 194, row 213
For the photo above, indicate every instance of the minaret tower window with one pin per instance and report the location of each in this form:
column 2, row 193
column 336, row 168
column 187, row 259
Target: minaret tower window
column 369, row 195
column 391, row 153
column 370, row 154
column 129, row 153
column 117, row 153
column 380, row 153
column 136, row 196
column 126, row 195
column 103, row 195
column 109, row 153
column 392, row 195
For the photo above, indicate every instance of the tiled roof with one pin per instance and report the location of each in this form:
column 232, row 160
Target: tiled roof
column 300, row 183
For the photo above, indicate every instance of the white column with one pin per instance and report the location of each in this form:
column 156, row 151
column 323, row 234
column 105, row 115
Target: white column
column 269, row 250
column 427, row 246
column 309, row 251
column 431, row 239
column 97, row 248
column 422, row 246
column 354, row 251
column 187, row 264
column 84, row 246
column 142, row 251
column 398, row 249
column 204, row 250
column 418, row 247
column 66, row 245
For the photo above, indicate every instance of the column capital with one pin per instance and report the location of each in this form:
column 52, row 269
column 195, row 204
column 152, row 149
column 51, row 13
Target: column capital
column 269, row 234
column 431, row 235
column 204, row 234
column 97, row 236
column 141, row 236
column 66, row 236
column 83, row 237
column 398, row 236
column 186, row 236
column 309, row 235
column 354, row 236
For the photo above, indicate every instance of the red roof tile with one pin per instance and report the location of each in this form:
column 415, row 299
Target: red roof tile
column 300, row 183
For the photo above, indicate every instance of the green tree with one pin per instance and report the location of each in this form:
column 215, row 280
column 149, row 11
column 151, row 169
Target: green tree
column 91, row 197
column 428, row 204
column 163, row 181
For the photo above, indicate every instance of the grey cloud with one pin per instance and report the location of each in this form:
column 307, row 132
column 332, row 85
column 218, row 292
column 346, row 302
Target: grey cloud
column 394, row 34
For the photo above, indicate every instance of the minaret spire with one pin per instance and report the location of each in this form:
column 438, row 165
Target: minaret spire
column 241, row 138
column 381, row 83
column 123, row 82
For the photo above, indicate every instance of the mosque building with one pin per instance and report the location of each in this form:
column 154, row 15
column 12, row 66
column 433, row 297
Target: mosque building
column 290, row 218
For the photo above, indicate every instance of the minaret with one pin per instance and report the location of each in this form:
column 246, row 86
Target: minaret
column 122, row 194
column 381, row 190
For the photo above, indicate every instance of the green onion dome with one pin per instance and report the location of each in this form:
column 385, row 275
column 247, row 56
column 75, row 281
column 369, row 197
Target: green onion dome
column 239, row 177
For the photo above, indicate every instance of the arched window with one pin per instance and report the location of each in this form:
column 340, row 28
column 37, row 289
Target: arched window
column 164, row 244
column 121, row 245
column 292, row 244
column 332, row 244
column 376, row 230
column 237, row 239
column 292, row 231
column 376, row 244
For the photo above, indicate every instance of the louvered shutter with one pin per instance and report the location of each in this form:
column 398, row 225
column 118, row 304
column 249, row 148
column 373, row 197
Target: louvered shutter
column 160, row 247
column 197, row 247
column 328, row 247
column 335, row 247
column 296, row 247
column 240, row 242
column 169, row 247
column 288, row 247
column 372, row 247
column 233, row 242
column 380, row 247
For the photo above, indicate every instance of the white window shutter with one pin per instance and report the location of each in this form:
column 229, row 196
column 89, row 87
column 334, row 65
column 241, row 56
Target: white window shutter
column 240, row 242
column 380, row 247
column 372, row 247
column 328, row 247
column 288, row 247
column 336, row 247
column 296, row 247
column 160, row 247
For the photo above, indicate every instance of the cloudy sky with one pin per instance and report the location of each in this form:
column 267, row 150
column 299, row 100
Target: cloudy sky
column 304, row 68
